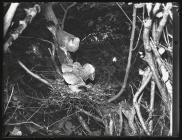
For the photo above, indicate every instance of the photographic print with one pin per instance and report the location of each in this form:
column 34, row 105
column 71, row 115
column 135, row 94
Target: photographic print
column 90, row 69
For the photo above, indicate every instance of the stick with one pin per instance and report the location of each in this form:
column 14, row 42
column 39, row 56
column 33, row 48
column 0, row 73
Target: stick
column 136, row 105
column 33, row 74
column 129, row 58
column 9, row 16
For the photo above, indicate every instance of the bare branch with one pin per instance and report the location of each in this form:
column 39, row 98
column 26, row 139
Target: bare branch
column 129, row 57
column 9, row 16
column 149, row 59
column 89, row 114
column 34, row 75
column 124, row 12
column 151, row 108
column 136, row 104
column 138, row 37
column 65, row 14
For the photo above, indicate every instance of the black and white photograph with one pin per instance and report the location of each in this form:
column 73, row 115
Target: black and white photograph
column 90, row 69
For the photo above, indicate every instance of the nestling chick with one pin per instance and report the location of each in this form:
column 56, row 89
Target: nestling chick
column 75, row 75
column 74, row 81
column 85, row 72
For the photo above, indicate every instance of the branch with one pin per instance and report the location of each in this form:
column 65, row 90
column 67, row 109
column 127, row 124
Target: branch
column 12, row 91
column 52, row 53
column 33, row 74
column 65, row 14
column 9, row 16
column 31, row 13
column 49, row 13
column 136, row 104
column 120, row 118
column 89, row 114
column 124, row 12
column 138, row 37
column 163, row 21
column 149, row 59
column 151, row 108
column 21, row 123
column 129, row 58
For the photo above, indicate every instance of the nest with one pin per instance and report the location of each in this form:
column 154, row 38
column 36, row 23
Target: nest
column 96, row 94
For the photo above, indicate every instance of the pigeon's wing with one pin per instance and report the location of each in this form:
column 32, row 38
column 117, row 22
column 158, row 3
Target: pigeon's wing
column 72, row 79
column 66, row 68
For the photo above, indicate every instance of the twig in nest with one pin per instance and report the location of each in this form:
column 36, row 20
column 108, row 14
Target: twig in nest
column 89, row 114
column 34, row 112
column 33, row 74
column 62, row 119
column 12, row 91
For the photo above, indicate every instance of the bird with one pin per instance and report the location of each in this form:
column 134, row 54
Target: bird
column 69, row 67
column 87, row 71
column 75, row 75
column 66, row 41
column 74, row 81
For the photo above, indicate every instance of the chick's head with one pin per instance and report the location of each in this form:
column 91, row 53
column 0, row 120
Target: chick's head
column 89, row 71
